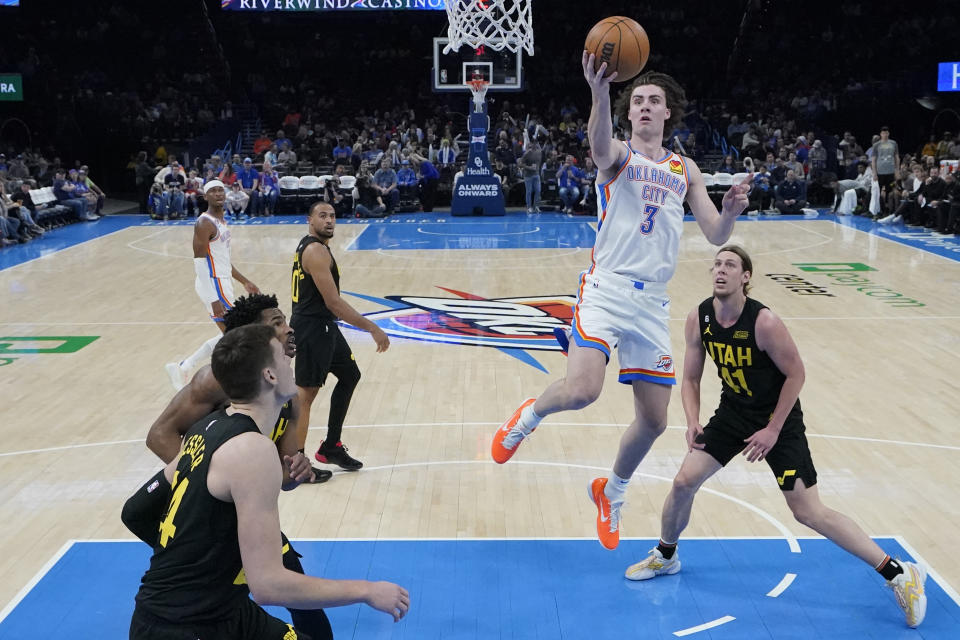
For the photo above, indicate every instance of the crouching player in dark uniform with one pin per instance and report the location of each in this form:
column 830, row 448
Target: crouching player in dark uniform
column 203, row 395
column 222, row 517
column 759, row 415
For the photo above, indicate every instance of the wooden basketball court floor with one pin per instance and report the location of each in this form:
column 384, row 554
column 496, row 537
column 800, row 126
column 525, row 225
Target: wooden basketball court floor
column 874, row 312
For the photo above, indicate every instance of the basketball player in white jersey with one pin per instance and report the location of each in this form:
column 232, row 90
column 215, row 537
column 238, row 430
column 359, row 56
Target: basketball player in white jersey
column 622, row 302
column 211, row 262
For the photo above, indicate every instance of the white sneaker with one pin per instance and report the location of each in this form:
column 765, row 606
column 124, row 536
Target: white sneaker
column 897, row 220
column 178, row 376
column 911, row 596
column 654, row 565
column 886, row 219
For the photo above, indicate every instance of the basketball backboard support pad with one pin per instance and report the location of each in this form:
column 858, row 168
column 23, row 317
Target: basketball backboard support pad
column 502, row 69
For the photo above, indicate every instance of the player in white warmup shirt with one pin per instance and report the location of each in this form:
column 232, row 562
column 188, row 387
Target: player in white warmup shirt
column 211, row 262
column 622, row 298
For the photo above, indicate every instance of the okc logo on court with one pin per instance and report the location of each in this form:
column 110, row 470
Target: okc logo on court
column 513, row 325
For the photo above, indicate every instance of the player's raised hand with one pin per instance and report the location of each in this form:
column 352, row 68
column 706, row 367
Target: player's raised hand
column 595, row 79
column 389, row 598
column 735, row 200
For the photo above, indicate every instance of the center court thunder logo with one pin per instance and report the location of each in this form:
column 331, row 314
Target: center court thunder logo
column 522, row 323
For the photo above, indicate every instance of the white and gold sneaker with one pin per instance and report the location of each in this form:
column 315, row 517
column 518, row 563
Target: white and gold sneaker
column 910, row 593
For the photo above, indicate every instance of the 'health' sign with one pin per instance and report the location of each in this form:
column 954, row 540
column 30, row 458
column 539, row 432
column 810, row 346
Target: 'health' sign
column 949, row 77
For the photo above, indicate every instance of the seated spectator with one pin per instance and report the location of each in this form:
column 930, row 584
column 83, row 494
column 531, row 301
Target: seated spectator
column 11, row 211
column 372, row 154
column 736, row 130
column 27, row 207
column 237, row 201
column 81, row 190
column 342, row 205
column 65, row 192
column 504, row 151
column 272, row 155
column 907, row 196
column 932, row 192
column 262, row 144
column 227, row 175
column 282, row 140
column 369, row 202
column 156, row 206
column 795, row 164
column 9, row 230
column 790, row 195
column 588, row 184
column 94, row 195
column 385, row 181
column 446, row 155
column 569, row 178
column 761, row 195
column 249, row 179
column 18, row 169
column 859, row 187
column 817, row 160
column 948, row 214
column 161, row 175
column 729, row 165
column 236, row 163
column 802, row 150
column 287, row 159
column 269, row 189
column 930, row 149
column 393, row 154
column 751, row 143
column 173, row 196
column 407, row 180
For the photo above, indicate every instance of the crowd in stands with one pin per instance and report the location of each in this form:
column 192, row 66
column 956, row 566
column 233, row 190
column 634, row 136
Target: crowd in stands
column 37, row 194
column 800, row 122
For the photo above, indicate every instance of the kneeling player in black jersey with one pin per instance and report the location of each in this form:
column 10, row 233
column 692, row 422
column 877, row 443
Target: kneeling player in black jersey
column 223, row 518
column 203, row 395
column 759, row 415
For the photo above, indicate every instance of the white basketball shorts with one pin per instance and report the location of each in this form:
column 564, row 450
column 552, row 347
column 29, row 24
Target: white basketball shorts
column 613, row 311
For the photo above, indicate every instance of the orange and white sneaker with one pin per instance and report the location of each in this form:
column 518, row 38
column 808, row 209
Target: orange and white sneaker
column 608, row 515
column 508, row 437
column 908, row 587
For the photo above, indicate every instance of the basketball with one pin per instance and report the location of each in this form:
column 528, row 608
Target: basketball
column 621, row 43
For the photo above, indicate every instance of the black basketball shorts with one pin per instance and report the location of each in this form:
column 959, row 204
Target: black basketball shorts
column 789, row 458
column 321, row 348
column 248, row 621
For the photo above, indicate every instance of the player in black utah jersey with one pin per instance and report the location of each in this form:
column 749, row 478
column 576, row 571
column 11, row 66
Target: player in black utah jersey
column 321, row 347
column 759, row 414
column 223, row 516
column 203, row 395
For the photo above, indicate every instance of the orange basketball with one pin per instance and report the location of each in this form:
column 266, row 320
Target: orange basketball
column 621, row 43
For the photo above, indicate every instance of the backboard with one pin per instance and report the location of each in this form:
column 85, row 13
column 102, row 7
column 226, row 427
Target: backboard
column 502, row 69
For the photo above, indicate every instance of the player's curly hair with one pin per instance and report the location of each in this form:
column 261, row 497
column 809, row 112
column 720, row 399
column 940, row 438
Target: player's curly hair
column 676, row 100
column 247, row 310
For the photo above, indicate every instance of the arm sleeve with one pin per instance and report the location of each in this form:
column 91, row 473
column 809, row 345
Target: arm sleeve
column 143, row 511
column 204, row 281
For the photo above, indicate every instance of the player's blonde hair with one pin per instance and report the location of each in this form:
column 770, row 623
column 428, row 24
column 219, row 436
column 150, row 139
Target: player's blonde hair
column 676, row 100
column 745, row 261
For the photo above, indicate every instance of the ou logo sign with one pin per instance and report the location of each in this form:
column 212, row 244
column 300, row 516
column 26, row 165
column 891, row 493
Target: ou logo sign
column 477, row 161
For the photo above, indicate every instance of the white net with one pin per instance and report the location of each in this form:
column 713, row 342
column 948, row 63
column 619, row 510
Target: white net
column 479, row 90
column 496, row 24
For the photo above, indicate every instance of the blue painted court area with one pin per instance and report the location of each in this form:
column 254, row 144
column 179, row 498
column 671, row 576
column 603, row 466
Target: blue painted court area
column 527, row 589
column 546, row 231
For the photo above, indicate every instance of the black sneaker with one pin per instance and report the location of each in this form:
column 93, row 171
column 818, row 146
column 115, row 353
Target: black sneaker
column 320, row 475
column 337, row 455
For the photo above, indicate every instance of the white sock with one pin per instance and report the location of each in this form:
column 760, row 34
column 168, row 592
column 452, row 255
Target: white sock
column 529, row 420
column 616, row 487
column 201, row 354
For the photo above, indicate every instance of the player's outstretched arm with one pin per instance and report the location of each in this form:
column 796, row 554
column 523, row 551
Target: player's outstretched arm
column 693, row 359
column 716, row 228
column 202, row 396
column 774, row 338
column 316, row 262
column 245, row 470
column 607, row 153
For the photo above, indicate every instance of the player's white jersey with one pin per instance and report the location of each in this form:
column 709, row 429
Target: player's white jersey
column 641, row 217
column 218, row 250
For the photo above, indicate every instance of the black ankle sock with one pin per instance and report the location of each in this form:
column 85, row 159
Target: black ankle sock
column 889, row 568
column 667, row 550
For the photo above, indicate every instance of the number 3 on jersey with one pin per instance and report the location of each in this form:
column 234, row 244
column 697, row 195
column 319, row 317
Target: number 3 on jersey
column 650, row 213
